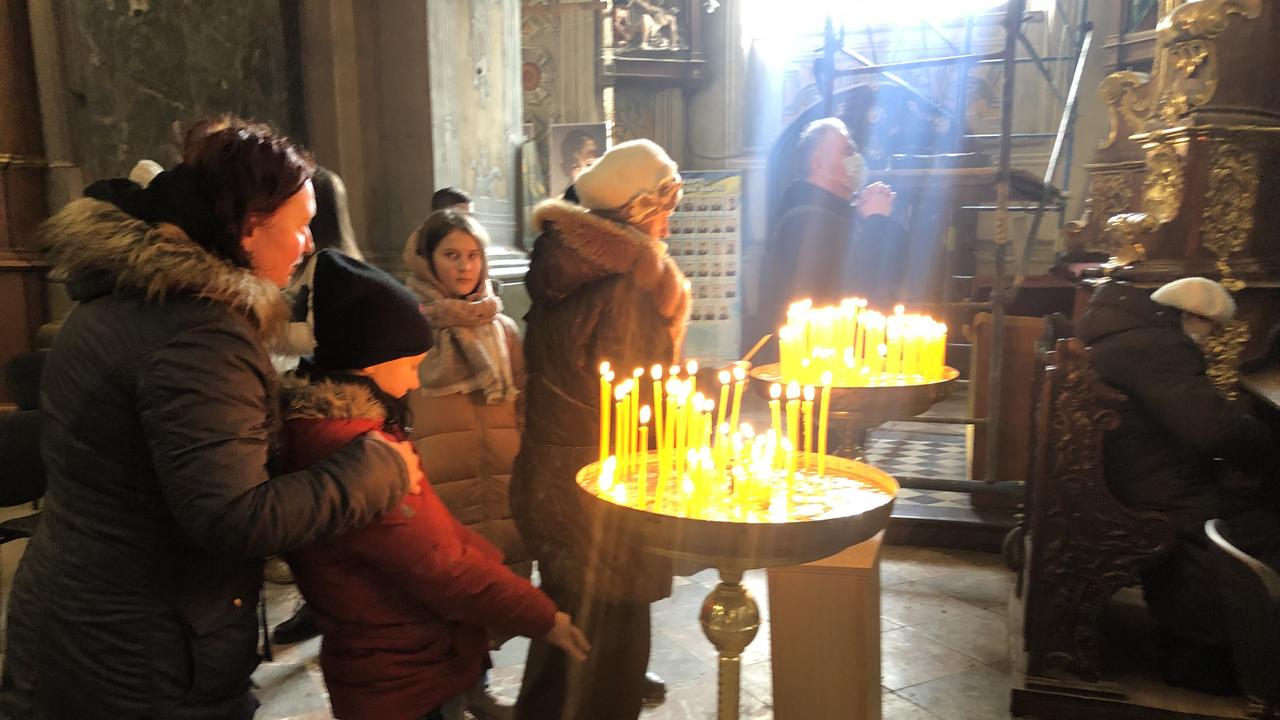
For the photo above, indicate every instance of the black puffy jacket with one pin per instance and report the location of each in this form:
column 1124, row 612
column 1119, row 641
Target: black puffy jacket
column 136, row 597
column 1161, row 455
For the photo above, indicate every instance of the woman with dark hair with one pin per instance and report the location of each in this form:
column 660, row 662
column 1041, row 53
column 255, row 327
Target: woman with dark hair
column 136, row 596
column 468, row 423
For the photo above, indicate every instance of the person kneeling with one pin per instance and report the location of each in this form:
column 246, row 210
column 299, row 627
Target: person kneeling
column 405, row 603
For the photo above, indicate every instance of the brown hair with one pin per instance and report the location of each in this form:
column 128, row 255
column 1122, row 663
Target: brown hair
column 440, row 224
column 245, row 170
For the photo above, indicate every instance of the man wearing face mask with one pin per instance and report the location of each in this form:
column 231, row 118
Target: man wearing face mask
column 834, row 237
column 1167, row 454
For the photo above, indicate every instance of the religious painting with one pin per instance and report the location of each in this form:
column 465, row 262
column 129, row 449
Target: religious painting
column 574, row 148
column 649, row 25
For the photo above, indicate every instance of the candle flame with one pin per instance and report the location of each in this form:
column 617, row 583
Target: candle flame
column 775, row 391
column 637, row 373
column 808, row 392
column 691, row 367
column 826, row 379
column 608, row 376
column 604, row 367
column 645, row 414
column 793, row 390
column 623, row 389
column 724, row 377
column 656, row 372
column 739, row 374
column 674, row 371
column 620, row 494
column 899, row 309
column 747, row 431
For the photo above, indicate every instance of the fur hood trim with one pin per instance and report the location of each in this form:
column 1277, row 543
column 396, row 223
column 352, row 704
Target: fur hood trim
column 594, row 247
column 91, row 238
column 329, row 400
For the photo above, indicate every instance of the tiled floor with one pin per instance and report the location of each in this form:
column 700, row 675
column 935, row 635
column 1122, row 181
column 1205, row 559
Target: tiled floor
column 943, row 646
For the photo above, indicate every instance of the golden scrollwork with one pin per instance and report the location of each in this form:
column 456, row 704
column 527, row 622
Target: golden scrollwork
column 1109, row 195
column 1162, row 186
column 1124, row 235
column 1187, row 64
column 1127, row 95
column 1229, row 206
column 1222, row 353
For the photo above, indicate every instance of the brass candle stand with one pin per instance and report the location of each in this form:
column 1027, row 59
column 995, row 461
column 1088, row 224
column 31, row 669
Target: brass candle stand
column 855, row 409
column 813, row 518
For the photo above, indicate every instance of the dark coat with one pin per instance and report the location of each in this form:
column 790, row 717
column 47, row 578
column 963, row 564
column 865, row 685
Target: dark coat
column 1161, row 456
column 404, row 602
column 821, row 249
column 136, row 597
column 599, row 291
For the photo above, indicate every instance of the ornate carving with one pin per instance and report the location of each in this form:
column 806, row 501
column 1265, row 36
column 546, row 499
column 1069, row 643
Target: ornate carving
column 1223, row 357
column 1127, row 95
column 1125, row 233
column 1188, row 65
column 1109, row 195
column 1162, row 187
column 1085, row 545
column 1229, row 206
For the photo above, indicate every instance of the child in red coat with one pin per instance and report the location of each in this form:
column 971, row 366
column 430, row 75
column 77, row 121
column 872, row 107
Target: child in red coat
column 404, row 603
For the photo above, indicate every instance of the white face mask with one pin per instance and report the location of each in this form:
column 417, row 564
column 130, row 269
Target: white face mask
column 856, row 168
column 1197, row 328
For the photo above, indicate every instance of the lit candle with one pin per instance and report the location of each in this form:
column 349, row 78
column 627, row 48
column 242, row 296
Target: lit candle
column 806, row 411
column 724, row 398
column 655, row 372
column 775, row 408
column 740, row 377
column 691, row 369
column 793, row 418
column 606, row 391
column 642, row 486
column 823, row 415
column 634, row 427
column 621, row 419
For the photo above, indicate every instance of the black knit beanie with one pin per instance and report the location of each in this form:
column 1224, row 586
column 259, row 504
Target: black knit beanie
column 363, row 316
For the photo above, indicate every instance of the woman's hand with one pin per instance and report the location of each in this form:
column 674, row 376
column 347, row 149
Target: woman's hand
column 566, row 636
column 412, row 464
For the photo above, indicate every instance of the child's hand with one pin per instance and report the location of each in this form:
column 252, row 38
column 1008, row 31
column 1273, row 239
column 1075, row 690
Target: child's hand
column 408, row 455
column 566, row 636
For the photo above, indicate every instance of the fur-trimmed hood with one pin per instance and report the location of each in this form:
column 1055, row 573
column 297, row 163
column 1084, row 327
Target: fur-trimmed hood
column 97, row 248
column 325, row 399
column 583, row 247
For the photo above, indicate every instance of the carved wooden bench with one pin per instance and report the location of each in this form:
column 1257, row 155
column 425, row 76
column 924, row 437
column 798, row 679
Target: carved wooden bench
column 1084, row 545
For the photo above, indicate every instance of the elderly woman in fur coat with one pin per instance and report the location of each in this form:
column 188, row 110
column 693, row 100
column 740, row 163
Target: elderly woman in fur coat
column 602, row 288
column 136, row 596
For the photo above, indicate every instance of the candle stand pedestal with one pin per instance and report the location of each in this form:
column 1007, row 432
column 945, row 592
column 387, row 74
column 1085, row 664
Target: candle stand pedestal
column 849, row 504
column 856, row 409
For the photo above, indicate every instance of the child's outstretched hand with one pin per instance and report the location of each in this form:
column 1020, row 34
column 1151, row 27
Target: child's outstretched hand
column 566, row 636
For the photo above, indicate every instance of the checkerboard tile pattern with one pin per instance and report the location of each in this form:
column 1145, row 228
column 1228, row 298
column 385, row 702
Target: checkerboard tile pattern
column 934, row 498
column 918, row 454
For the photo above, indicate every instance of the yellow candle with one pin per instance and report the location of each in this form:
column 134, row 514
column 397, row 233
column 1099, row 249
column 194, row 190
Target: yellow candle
column 620, row 424
column 724, row 398
column 793, row 415
column 642, row 486
column 775, row 408
column 740, row 377
column 806, row 411
column 823, row 415
column 655, row 372
column 606, row 391
column 691, row 369
column 634, row 427
column 681, row 426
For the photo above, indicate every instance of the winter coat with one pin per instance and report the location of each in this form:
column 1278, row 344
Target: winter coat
column 821, row 249
column 136, row 597
column 404, row 602
column 468, row 448
column 1161, row 455
column 599, row 291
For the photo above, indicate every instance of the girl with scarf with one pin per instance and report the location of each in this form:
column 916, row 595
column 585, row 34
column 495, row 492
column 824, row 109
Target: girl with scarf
column 468, row 418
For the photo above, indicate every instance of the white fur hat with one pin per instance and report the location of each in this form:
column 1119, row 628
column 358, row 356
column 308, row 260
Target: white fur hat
column 627, row 171
column 1198, row 295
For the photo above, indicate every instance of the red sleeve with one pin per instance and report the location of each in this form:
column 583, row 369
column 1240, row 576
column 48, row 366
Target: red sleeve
column 308, row 441
column 451, row 570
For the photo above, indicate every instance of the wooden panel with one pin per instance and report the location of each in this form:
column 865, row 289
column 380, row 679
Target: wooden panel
column 25, row 309
column 1015, row 427
column 825, row 629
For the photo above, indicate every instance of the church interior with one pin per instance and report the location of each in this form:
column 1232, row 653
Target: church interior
column 685, row 359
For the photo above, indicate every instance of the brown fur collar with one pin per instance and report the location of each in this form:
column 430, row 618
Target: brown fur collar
column 583, row 247
column 90, row 237
column 329, row 400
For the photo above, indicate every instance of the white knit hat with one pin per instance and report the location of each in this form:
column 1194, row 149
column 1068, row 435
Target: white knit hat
column 627, row 171
column 1198, row 295
column 145, row 171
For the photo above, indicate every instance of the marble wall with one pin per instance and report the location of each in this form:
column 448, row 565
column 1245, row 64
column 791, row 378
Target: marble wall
column 138, row 71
